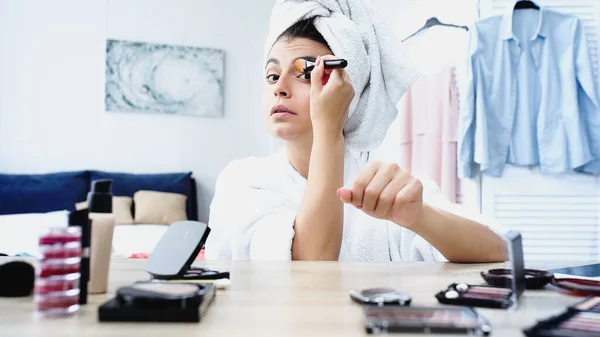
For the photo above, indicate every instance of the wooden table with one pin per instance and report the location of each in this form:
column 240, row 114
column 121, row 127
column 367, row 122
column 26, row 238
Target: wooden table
column 284, row 299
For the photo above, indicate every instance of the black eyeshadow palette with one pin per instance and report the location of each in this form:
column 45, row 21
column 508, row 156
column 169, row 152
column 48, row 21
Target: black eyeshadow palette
column 580, row 320
column 476, row 296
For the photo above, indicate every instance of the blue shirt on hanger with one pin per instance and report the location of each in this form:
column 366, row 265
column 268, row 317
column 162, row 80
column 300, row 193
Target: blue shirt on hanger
column 531, row 97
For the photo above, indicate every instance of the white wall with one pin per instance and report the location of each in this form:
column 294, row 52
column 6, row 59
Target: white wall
column 52, row 65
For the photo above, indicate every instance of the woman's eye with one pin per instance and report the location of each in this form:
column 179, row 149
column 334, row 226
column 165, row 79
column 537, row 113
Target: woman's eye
column 304, row 76
column 272, row 78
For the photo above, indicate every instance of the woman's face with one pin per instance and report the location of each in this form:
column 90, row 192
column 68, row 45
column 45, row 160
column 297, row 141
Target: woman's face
column 286, row 93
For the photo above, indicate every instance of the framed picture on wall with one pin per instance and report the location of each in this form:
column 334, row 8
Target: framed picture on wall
column 164, row 79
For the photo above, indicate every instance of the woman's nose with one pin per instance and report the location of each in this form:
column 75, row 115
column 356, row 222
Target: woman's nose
column 282, row 89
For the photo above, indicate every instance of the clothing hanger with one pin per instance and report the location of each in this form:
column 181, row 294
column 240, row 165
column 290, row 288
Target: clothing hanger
column 432, row 22
column 525, row 4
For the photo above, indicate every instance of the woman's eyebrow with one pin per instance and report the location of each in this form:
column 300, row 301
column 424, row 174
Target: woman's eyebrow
column 308, row 57
column 272, row 60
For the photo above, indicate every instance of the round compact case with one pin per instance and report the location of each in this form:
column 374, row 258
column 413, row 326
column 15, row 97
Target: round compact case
column 534, row 279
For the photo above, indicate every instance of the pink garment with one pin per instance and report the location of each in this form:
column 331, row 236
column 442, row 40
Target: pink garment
column 428, row 116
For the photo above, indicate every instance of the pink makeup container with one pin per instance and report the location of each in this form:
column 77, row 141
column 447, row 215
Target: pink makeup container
column 58, row 275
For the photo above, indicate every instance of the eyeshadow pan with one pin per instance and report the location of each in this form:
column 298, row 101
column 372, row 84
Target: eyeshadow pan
column 484, row 293
column 489, row 290
column 582, row 322
column 590, row 304
column 484, row 296
column 475, row 292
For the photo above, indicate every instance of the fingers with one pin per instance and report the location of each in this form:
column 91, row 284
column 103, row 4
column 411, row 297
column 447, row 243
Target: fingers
column 379, row 187
column 388, row 194
column 412, row 192
column 363, row 179
column 316, row 76
column 336, row 77
column 345, row 194
column 320, row 76
column 385, row 174
column 340, row 82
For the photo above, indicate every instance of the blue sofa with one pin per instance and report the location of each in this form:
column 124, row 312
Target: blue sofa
column 41, row 193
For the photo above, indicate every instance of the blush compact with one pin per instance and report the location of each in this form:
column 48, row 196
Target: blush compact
column 158, row 302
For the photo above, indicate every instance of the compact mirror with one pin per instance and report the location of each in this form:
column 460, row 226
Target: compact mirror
column 178, row 247
column 514, row 243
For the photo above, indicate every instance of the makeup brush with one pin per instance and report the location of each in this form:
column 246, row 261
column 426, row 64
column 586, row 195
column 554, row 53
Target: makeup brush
column 305, row 66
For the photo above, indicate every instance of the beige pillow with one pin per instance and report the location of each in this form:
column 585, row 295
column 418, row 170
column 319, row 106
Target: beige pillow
column 153, row 207
column 121, row 209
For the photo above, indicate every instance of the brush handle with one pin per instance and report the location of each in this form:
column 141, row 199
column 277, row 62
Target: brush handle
column 328, row 64
column 334, row 64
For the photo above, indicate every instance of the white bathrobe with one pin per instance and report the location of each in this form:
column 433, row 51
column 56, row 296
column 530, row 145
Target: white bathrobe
column 256, row 199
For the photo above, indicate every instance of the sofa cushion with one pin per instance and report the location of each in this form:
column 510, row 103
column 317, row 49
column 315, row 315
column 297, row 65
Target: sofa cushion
column 159, row 207
column 126, row 184
column 40, row 193
column 121, row 207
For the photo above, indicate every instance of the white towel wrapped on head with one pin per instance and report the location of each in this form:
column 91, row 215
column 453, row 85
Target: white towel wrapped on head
column 377, row 65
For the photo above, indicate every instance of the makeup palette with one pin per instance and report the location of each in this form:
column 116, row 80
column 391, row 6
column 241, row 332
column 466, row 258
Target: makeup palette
column 580, row 320
column 476, row 296
column 590, row 304
column 394, row 319
column 511, row 282
column 578, row 287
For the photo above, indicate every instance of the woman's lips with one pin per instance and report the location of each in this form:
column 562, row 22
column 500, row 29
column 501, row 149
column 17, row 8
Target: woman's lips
column 280, row 111
column 278, row 115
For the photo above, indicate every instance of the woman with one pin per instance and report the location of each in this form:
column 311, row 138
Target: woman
column 292, row 205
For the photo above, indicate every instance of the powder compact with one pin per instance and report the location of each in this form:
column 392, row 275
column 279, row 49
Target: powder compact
column 158, row 302
column 454, row 320
column 579, row 320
